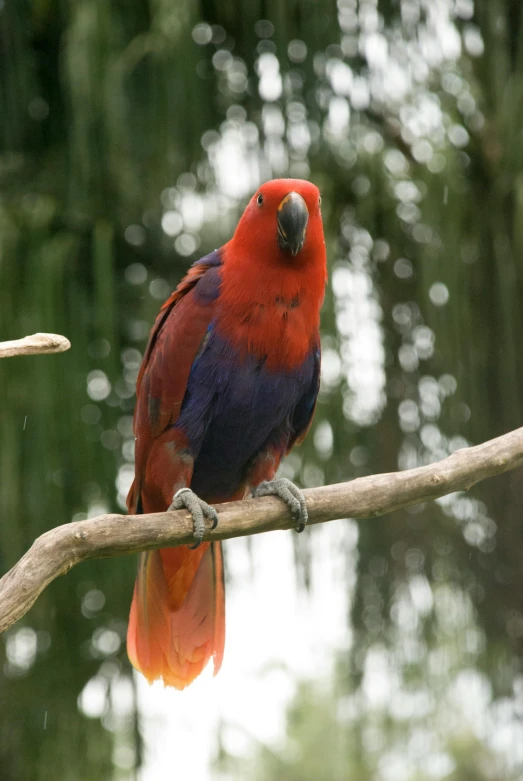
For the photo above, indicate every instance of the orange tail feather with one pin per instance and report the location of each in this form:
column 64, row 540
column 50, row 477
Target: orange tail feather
column 177, row 619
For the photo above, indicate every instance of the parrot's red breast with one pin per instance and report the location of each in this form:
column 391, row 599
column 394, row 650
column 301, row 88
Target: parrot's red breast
column 227, row 385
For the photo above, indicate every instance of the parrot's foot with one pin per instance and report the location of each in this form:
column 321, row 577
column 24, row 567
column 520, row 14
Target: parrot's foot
column 290, row 494
column 185, row 498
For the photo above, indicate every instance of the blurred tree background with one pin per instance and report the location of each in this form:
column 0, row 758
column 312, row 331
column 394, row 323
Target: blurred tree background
column 131, row 134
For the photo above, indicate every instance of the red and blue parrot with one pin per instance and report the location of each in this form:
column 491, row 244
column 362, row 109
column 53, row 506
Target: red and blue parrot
column 227, row 386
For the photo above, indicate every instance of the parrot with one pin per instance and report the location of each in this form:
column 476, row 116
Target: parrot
column 227, row 386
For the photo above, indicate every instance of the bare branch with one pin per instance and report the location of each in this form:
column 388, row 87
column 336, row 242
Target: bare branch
column 37, row 344
column 56, row 551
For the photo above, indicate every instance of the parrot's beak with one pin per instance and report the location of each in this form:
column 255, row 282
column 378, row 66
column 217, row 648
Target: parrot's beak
column 293, row 217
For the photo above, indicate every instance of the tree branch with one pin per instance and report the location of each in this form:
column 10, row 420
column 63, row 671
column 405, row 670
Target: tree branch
column 37, row 344
column 56, row 551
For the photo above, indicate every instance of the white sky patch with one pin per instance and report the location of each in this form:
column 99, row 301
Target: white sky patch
column 338, row 117
column 270, row 85
column 236, row 165
column 358, row 322
column 21, row 647
column 341, row 77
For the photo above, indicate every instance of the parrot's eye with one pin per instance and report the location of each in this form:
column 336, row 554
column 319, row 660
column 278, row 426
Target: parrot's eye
column 319, row 201
column 259, row 199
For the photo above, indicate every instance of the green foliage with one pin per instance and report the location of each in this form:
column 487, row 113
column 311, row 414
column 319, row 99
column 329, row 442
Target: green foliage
column 325, row 740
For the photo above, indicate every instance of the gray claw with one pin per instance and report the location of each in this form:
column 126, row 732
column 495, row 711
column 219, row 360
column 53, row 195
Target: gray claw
column 290, row 494
column 185, row 498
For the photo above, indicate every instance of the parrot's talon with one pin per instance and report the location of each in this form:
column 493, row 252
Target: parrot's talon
column 186, row 499
column 290, row 494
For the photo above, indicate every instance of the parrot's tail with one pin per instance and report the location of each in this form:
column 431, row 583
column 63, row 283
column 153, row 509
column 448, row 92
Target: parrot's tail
column 177, row 619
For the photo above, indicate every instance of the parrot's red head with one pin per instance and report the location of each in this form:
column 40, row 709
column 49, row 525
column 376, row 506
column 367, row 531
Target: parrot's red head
column 273, row 276
column 283, row 218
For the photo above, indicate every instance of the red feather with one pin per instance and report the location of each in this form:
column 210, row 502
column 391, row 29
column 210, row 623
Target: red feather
column 177, row 619
column 269, row 305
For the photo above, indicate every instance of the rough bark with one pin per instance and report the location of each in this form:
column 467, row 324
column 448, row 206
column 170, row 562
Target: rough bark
column 56, row 551
column 36, row 344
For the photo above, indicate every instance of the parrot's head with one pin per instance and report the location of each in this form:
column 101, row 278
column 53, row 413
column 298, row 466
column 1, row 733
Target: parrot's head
column 274, row 273
column 283, row 221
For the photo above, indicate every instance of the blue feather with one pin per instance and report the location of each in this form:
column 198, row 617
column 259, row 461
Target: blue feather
column 234, row 408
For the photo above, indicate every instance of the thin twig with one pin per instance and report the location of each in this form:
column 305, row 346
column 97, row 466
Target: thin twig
column 56, row 551
column 36, row 344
